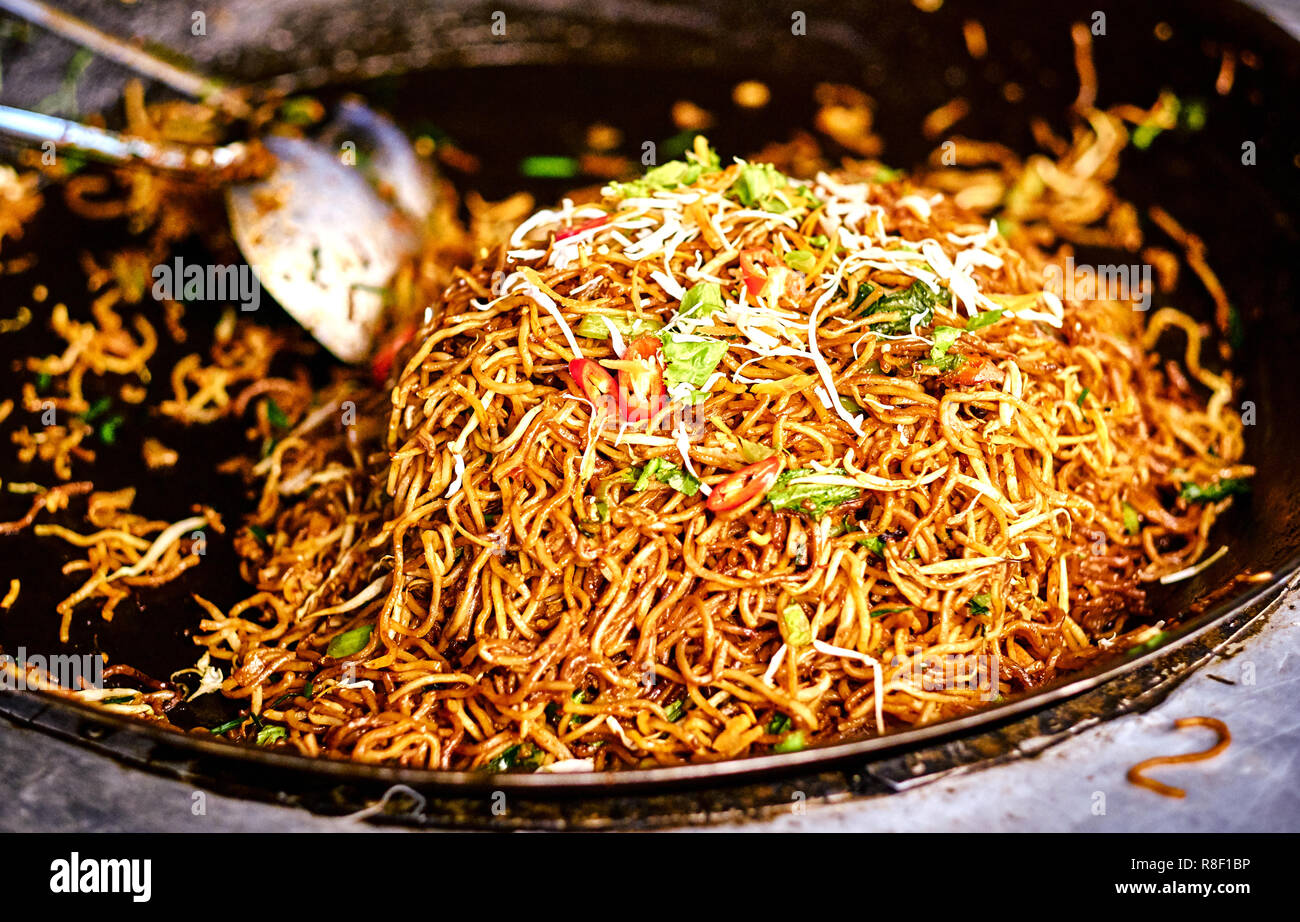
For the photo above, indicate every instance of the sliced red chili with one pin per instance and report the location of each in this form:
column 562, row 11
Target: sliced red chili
column 579, row 228
column 977, row 369
column 735, row 490
column 382, row 362
column 596, row 384
column 756, row 264
column 641, row 392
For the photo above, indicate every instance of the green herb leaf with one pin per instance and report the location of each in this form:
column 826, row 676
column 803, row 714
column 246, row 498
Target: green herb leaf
column 1083, row 395
column 668, row 473
column 981, row 604
column 876, row 544
column 505, row 760
column 702, row 300
column 349, row 642
column 43, row 382
column 984, row 319
column 864, row 291
column 676, row 710
column 757, row 185
column 520, row 755
column 813, row 499
column 873, row 543
column 944, row 338
column 917, row 301
column 691, row 360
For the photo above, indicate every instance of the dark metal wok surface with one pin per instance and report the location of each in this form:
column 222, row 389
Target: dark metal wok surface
column 561, row 66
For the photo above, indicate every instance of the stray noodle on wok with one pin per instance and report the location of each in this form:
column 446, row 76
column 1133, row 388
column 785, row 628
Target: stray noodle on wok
column 721, row 461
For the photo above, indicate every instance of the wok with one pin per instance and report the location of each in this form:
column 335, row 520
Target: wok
column 562, row 65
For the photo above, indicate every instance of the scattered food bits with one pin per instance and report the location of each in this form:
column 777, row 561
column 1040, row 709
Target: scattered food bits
column 751, row 94
column 602, row 137
column 157, row 455
column 687, row 116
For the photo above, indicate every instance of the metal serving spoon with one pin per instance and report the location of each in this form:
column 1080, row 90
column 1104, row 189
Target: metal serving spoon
column 317, row 235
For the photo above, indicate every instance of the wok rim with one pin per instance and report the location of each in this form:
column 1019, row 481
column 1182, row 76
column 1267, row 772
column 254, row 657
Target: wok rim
column 16, row 705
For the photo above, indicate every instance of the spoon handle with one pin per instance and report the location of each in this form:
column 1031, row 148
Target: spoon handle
column 130, row 56
column 38, row 130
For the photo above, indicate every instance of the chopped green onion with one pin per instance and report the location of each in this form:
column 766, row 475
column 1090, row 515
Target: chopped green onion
column 894, row 610
column 349, row 642
column 517, row 756
column 1131, row 521
column 108, row 429
column 779, row 724
column 270, row 734
column 97, row 409
column 1220, row 489
column 593, row 325
column 792, row 742
column 227, row 726
column 549, row 167
column 798, row 631
column 801, row 260
column 275, row 414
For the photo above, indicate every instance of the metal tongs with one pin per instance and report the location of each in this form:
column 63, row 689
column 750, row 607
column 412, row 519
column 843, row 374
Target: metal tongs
column 316, row 233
